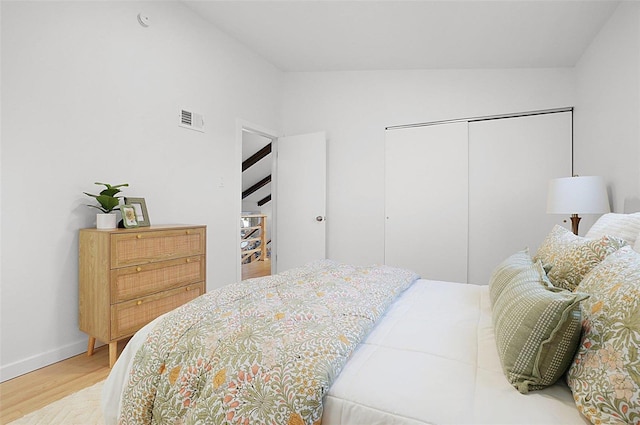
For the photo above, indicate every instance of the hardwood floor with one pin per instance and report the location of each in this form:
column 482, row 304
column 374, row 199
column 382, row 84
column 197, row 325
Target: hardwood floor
column 256, row 269
column 34, row 390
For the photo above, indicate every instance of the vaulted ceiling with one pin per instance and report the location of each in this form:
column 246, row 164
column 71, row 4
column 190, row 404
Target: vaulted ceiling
column 334, row 35
column 341, row 35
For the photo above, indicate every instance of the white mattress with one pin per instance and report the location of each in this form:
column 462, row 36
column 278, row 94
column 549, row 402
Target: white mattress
column 430, row 360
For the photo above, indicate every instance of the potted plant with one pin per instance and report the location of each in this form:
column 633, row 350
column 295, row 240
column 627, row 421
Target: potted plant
column 108, row 203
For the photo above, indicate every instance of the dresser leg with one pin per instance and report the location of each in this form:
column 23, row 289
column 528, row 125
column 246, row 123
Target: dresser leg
column 91, row 346
column 113, row 353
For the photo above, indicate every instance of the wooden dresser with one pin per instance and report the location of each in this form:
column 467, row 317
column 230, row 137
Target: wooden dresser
column 128, row 277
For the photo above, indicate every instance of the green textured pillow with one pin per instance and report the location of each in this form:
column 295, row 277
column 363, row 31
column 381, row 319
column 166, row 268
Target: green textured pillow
column 506, row 271
column 567, row 258
column 605, row 375
column 537, row 329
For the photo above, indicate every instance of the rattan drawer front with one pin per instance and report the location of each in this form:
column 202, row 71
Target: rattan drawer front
column 147, row 247
column 129, row 316
column 138, row 281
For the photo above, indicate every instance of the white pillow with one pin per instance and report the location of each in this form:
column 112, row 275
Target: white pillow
column 624, row 226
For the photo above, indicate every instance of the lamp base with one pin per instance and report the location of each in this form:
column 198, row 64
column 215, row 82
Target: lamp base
column 575, row 221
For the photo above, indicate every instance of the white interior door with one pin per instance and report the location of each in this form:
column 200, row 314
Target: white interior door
column 300, row 195
column 510, row 163
column 426, row 206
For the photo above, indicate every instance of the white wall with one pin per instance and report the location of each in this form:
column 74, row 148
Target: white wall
column 90, row 95
column 607, row 114
column 355, row 107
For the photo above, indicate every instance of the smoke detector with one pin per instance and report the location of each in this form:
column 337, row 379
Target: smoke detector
column 143, row 20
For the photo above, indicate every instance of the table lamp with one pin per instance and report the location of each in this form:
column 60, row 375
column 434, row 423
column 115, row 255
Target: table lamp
column 577, row 195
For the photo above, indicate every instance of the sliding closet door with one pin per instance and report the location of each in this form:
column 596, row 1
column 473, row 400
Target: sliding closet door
column 510, row 163
column 426, row 200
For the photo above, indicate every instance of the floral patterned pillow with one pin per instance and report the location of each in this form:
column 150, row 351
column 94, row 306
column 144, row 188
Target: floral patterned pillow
column 555, row 242
column 567, row 258
column 572, row 264
column 605, row 374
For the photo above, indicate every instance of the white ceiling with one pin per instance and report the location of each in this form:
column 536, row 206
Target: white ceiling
column 334, row 35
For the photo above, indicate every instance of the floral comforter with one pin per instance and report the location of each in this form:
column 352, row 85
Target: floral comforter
column 263, row 351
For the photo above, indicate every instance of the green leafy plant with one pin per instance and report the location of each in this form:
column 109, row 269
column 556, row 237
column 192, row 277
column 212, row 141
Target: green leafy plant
column 107, row 198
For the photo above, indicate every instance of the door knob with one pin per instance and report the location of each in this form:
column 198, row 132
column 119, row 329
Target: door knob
column 319, row 218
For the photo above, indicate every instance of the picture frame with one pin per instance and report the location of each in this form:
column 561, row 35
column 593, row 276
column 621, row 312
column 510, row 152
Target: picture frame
column 140, row 207
column 128, row 216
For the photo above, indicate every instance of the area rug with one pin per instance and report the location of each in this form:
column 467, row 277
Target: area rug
column 81, row 408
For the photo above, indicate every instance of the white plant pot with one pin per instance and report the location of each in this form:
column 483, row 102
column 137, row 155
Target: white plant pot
column 106, row 221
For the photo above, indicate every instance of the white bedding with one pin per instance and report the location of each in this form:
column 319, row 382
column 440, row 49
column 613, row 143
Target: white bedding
column 430, row 360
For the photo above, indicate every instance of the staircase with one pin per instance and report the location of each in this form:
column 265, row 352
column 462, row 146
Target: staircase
column 256, row 193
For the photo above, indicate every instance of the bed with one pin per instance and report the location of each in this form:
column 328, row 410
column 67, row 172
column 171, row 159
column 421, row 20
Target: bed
column 431, row 352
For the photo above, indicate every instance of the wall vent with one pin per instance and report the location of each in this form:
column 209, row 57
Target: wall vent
column 191, row 120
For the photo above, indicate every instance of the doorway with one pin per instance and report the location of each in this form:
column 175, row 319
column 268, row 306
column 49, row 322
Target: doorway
column 297, row 185
column 256, row 217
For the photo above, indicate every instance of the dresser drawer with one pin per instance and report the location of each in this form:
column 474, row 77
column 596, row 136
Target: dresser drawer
column 138, row 281
column 129, row 316
column 132, row 248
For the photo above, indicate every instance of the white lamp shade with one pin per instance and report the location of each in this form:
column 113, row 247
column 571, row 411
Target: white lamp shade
column 578, row 195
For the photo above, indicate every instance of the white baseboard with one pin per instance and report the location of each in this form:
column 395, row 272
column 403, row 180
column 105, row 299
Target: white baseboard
column 11, row 370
